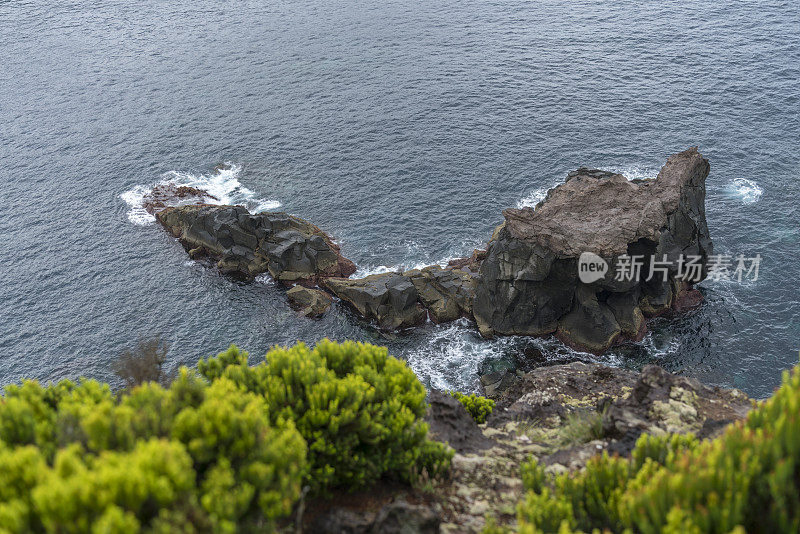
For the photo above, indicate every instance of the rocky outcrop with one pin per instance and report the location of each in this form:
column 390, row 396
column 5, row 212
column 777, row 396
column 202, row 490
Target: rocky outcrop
column 310, row 302
column 563, row 415
column 446, row 293
column 529, row 281
column 526, row 282
column 401, row 299
column 449, row 422
column 290, row 249
column 397, row 517
column 168, row 194
column 390, row 299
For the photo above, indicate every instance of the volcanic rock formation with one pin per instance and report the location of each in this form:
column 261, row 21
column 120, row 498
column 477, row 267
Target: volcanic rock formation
column 529, row 283
column 401, row 299
column 290, row 249
column 527, row 280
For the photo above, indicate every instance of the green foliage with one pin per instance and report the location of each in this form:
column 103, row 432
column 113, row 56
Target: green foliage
column 226, row 449
column 74, row 457
column 747, row 480
column 359, row 410
column 478, row 407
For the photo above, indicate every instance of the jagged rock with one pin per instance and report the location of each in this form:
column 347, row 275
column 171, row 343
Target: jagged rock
column 390, row 299
column 450, row 423
column 661, row 402
column 402, row 299
column 341, row 521
column 470, row 263
column 169, row 194
column 529, row 284
column 290, row 249
column 446, row 293
column 496, row 382
column 310, row 302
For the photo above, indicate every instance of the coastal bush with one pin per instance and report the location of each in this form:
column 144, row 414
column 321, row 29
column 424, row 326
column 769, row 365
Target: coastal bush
column 478, row 407
column 359, row 410
column 746, row 480
column 222, row 448
column 74, row 457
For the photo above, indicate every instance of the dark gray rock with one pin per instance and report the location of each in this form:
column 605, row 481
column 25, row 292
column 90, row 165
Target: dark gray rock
column 290, row 249
column 446, row 293
column 397, row 517
column 450, row 423
column 341, row 521
column 495, row 383
column 310, row 302
column 403, row 299
column 390, row 299
column 529, row 285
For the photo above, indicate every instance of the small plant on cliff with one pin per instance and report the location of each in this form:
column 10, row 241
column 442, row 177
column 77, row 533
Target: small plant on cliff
column 747, row 480
column 145, row 363
column 580, row 427
column 478, row 407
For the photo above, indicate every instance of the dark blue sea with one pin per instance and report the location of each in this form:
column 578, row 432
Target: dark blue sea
column 403, row 129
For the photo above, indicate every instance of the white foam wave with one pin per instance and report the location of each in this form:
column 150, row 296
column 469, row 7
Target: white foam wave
column 452, row 355
column 223, row 184
column 746, row 190
column 658, row 346
column 134, row 198
column 367, row 270
column 635, row 172
column 531, row 199
column 415, row 257
column 265, row 279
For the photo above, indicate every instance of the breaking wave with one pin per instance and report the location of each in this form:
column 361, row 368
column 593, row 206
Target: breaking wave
column 223, row 184
column 746, row 190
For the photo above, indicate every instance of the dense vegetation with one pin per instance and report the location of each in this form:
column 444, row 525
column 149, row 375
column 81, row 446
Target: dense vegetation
column 230, row 447
column 226, row 447
column 478, row 407
column 747, row 480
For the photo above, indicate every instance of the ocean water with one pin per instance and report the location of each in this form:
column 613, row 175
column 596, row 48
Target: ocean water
column 403, row 129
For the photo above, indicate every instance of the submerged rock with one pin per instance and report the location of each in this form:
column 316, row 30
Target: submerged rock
column 291, row 249
column 310, row 302
column 529, row 283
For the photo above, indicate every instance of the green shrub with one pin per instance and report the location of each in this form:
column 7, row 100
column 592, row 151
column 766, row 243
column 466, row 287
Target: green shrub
column 201, row 455
column 747, row 480
column 359, row 410
column 225, row 449
column 478, row 407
